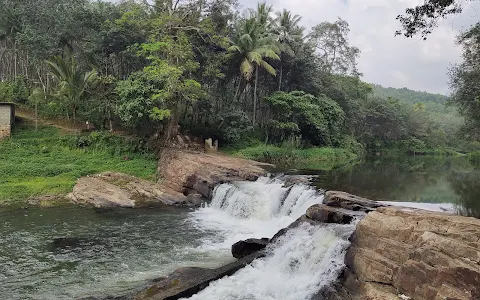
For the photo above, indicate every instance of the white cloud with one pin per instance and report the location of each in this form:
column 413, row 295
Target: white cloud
column 386, row 59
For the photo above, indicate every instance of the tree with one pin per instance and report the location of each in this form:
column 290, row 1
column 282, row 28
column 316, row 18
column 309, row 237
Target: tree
column 336, row 55
column 422, row 19
column 252, row 47
column 464, row 79
column 72, row 81
column 287, row 31
column 319, row 120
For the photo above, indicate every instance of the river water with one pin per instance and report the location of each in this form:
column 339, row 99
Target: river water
column 122, row 250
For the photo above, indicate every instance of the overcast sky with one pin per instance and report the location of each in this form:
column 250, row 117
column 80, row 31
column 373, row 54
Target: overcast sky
column 385, row 59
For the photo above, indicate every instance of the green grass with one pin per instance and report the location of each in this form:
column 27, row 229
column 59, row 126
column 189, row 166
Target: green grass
column 324, row 158
column 48, row 162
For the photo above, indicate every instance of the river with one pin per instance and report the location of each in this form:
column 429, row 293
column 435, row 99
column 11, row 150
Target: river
column 122, row 250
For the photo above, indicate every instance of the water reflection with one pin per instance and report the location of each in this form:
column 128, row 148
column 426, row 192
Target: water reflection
column 410, row 179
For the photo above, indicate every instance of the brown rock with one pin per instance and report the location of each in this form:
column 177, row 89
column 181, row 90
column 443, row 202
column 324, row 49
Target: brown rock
column 421, row 254
column 192, row 170
column 349, row 201
column 121, row 190
column 326, row 214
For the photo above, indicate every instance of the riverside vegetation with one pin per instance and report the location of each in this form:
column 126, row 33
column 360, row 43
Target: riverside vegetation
column 256, row 80
column 48, row 162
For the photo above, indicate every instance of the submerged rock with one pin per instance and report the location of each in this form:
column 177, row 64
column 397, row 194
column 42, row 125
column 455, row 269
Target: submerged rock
column 64, row 243
column 186, row 282
column 244, row 248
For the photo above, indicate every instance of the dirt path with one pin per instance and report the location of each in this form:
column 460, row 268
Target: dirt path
column 66, row 126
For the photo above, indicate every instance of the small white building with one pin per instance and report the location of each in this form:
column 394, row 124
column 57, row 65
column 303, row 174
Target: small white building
column 7, row 119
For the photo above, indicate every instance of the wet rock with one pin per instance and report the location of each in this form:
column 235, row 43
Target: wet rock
column 185, row 170
column 290, row 180
column 186, row 282
column 326, row 214
column 244, row 248
column 64, row 243
column 195, row 199
column 350, row 202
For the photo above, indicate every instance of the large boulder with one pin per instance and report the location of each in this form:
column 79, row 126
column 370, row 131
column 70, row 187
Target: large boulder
column 198, row 172
column 120, row 190
column 244, row 248
column 326, row 214
column 186, row 282
column 420, row 254
column 350, row 202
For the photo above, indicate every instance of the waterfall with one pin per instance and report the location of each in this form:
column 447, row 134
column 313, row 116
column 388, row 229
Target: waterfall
column 296, row 266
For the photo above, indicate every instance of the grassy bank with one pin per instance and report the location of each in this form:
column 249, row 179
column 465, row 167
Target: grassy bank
column 48, row 162
column 310, row 158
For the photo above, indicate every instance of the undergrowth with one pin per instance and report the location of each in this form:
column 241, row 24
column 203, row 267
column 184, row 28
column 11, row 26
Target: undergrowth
column 47, row 162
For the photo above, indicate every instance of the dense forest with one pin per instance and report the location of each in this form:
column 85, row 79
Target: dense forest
column 209, row 69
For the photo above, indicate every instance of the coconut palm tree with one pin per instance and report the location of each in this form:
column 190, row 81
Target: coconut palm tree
column 251, row 47
column 287, row 31
column 72, row 82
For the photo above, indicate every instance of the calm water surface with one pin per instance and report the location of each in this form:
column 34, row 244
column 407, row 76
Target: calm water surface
column 409, row 179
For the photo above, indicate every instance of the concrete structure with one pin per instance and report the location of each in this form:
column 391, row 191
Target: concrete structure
column 7, row 119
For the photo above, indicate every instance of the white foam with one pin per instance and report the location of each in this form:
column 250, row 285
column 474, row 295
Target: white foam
column 296, row 266
column 258, row 209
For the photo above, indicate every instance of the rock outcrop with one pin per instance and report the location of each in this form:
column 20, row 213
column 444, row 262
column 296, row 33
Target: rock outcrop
column 350, row 202
column 327, row 214
column 197, row 172
column 186, row 282
column 244, row 248
column 420, row 254
column 120, row 190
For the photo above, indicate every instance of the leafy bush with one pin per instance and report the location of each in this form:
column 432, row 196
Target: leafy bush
column 319, row 120
column 474, row 157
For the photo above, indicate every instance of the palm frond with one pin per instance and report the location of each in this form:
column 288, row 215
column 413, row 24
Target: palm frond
column 247, row 69
column 268, row 68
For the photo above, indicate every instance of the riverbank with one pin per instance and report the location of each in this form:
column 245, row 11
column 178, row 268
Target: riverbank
column 47, row 162
column 316, row 158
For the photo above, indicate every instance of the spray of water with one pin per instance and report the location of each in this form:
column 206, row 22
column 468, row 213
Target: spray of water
column 296, row 266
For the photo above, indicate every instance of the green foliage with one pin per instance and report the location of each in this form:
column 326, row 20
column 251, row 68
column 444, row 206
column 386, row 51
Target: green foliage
column 310, row 158
column 474, row 157
column 47, row 162
column 408, row 95
column 319, row 120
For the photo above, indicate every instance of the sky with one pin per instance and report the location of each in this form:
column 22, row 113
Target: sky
column 386, row 59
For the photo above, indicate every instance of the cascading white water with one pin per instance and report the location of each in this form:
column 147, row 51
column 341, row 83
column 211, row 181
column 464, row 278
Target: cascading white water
column 243, row 210
column 296, row 266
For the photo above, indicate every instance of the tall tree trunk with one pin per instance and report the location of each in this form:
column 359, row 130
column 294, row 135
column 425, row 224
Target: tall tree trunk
column 15, row 59
column 238, row 88
column 281, row 77
column 255, row 96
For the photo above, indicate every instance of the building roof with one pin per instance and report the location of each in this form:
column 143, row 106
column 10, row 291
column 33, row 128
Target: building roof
column 7, row 103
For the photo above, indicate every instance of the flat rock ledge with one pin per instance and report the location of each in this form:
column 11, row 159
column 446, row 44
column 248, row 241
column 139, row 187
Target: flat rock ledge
column 108, row 190
column 197, row 172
